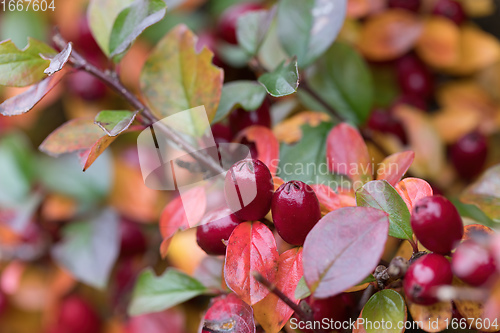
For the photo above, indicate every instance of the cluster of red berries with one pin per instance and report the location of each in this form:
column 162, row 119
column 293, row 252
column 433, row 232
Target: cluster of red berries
column 438, row 226
column 249, row 192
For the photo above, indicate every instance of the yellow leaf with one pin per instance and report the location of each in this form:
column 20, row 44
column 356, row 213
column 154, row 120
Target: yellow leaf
column 389, row 35
column 439, row 44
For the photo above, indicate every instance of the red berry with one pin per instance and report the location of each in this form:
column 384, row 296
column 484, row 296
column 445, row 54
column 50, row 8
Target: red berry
column 3, row 303
column 385, row 122
column 210, row 236
column 86, row 43
column 414, row 77
column 240, row 119
column 451, row 9
column 295, row 210
column 77, row 316
column 86, row 86
column 437, row 224
column 424, row 276
column 333, row 309
column 411, row 5
column 472, row 263
column 469, row 154
column 249, row 189
column 226, row 28
column 221, row 133
column 132, row 240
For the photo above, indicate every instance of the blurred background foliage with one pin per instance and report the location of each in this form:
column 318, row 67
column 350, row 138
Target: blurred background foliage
column 45, row 200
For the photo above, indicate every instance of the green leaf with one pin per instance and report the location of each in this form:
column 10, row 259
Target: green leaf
column 252, row 29
column 176, row 78
column 271, row 53
column 385, row 306
column 24, row 67
column 115, row 122
column 247, row 94
column 19, row 26
column 132, row 21
column 89, row 248
column 156, row 293
column 381, row 195
column 307, row 28
column 302, row 291
column 485, row 193
column 305, row 160
column 63, row 175
column 233, row 55
column 102, row 15
column 17, row 169
column 283, row 81
column 473, row 212
column 342, row 79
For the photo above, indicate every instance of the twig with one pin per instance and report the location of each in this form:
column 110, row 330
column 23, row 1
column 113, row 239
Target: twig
column 366, row 133
column 111, row 79
column 304, row 316
column 366, row 296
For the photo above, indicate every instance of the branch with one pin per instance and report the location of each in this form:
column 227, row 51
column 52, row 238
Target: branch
column 366, row 133
column 111, row 79
column 303, row 315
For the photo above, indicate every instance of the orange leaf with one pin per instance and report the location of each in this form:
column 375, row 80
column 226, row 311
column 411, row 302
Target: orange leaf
column 469, row 95
column 289, row 131
column 453, row 123
column 479, row 50
column 77, row 135
column 439, row 44
column 433, row 318
column 474, row 230
column 472, row 311
column 362, row 8
column 272, row 313
column 389, row 35
column 346, row 153
column 424, row 141
column 394, row 167
column 173, row 217
column 267, row 145
column 412, row 189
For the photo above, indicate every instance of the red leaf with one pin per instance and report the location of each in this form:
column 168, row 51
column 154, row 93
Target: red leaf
column 267, row 145
column 346, row 153
column 412, row 189
column 343, row 248
column 27, row 100
column 173, row 217
column 394, row 167
column 228, row 313
column 272, row 313
column 251, row 248
column 156, row 322
column 87, row 157
column 78, row 135
column 331, row 200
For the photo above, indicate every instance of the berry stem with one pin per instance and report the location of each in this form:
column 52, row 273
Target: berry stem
column 111, row 79
column 304, row 316
column 414, row 245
